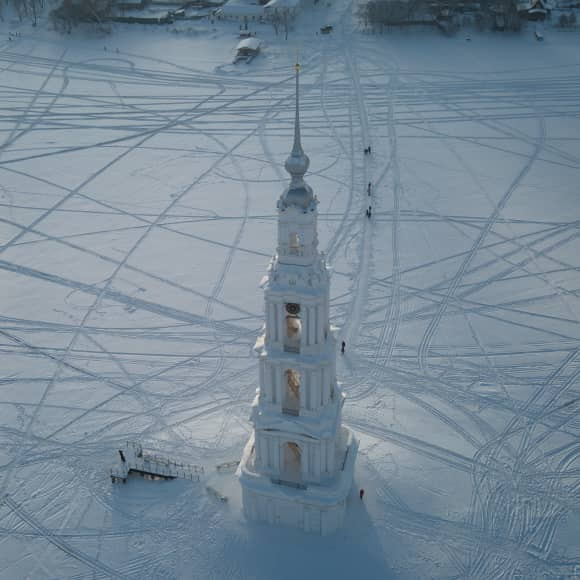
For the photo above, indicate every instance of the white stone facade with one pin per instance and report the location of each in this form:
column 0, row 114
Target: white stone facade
column 298, row 465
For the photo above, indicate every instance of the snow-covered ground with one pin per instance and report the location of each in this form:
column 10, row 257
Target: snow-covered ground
column 137, row 216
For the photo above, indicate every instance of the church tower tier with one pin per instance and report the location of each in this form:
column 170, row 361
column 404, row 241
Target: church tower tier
column 297, row 468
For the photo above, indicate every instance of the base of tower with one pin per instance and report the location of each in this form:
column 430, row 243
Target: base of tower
column 318, row 509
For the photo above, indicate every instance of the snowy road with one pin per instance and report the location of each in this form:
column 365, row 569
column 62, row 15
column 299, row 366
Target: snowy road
column 137, row 215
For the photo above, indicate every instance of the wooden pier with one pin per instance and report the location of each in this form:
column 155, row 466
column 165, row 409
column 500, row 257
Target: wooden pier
column 133, row 459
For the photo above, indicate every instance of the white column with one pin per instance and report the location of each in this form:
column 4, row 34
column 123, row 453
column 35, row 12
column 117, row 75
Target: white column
column 307, row 399
column 331, row 456
column 314, row 389
column 267, row 382
column 316, row 473
column 273, row 371
column 271, row 322
column 278, row 384
column 278, row 451
column 281, row 325
column 320, row 323
column 304, row 461
column 263, row 387
column 315, row 324
column 274, row 376
column 264, row 453
column 258, row 450
column 323, row 386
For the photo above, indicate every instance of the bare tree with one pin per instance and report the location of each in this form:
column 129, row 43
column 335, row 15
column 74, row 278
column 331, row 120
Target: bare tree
column 285, row 21
column 275, row 19
column 383, row 13
column 33, row 4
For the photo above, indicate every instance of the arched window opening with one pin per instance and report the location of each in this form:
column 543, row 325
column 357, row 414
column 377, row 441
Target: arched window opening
column 293, row 333
column 291, row 405
column 292, row 462
column 294, row 244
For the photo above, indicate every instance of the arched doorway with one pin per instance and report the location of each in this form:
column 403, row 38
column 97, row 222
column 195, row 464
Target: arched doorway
column 292, row 457
column 291, row 404
column 294, row 244
column 293, row 333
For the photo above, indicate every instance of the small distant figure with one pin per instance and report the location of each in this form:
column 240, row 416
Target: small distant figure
column 342, row 347
column 361, row 493
column 369, row 149
column 122, row 455
column 369, row 188
column 369, row 212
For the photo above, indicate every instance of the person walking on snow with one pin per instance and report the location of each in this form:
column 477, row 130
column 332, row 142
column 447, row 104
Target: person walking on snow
column 342, row 347
column 361, row 493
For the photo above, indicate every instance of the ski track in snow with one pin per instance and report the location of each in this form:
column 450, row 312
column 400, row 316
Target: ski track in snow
column 461, row 319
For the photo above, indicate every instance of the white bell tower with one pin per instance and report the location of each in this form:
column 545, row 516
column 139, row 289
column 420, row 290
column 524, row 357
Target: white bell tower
column 297, row 468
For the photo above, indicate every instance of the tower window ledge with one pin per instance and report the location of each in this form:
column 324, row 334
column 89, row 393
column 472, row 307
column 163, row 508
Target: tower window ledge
column 309, row 413
column 287, row 483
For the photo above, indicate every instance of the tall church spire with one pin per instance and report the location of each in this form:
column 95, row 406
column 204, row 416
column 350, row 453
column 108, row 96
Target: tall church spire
column 297, row 163
column 298, row 465
column 297, row 151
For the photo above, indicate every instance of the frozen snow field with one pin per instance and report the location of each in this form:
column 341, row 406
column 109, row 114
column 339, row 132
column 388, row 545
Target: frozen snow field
column 138, row 187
